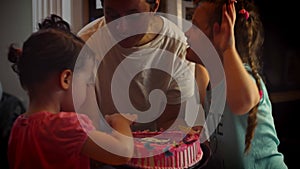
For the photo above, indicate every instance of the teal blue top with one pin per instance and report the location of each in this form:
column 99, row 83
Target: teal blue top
column 228, row 140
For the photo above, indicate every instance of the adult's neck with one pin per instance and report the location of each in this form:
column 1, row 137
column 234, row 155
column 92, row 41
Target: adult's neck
column 155, row 25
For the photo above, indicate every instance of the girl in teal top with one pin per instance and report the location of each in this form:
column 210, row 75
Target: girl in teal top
column 228, row 141
column 246, row 136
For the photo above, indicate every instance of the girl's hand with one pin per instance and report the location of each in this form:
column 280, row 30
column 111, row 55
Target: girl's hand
column 224, row 33
column 130, row 117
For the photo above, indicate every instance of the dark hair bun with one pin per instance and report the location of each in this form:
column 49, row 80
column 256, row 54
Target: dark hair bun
column 14, row 53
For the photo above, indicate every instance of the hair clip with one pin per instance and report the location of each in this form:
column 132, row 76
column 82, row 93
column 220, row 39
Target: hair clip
column 261, row 94
column 245, row 13
column 19, row 51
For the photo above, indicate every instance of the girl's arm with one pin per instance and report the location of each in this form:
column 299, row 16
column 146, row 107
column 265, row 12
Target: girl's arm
column 242, row 92
column 115, row 148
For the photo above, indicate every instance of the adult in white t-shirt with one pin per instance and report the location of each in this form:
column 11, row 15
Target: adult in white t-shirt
column 131, row 70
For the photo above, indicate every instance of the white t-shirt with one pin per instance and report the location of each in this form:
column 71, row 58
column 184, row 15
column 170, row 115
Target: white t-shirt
column 126, row 76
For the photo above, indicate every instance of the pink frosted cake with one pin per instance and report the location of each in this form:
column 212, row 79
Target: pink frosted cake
column 165, row 150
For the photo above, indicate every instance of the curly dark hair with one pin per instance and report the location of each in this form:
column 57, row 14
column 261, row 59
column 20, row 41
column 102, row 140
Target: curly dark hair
column 51, row 49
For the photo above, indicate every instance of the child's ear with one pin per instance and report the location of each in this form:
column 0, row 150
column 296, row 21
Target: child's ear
column 66, row 79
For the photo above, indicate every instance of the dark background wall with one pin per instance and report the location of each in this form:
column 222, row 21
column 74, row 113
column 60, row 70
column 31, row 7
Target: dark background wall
column 282, row 71
column 16, row 25
column 281, row 50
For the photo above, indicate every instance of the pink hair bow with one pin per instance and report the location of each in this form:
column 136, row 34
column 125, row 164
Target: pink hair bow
column 245, row 13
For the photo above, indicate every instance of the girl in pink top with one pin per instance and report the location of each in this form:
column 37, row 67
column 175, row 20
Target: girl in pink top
column 50, row 135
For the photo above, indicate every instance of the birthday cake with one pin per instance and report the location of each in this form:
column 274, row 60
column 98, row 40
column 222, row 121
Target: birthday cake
column 165, row 150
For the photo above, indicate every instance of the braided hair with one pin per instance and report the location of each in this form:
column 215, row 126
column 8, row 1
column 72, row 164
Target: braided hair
column 249, row 37
column 51, row 49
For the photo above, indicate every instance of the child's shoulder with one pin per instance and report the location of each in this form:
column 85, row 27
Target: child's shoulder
column 77, row 119
column 72, row 117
